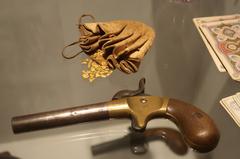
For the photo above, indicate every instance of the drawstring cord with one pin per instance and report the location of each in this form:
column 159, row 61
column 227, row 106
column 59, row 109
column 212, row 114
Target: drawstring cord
column 76, row 42
column 70, row 57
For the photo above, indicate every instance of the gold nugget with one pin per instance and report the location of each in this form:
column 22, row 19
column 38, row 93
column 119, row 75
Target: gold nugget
column 95, row 70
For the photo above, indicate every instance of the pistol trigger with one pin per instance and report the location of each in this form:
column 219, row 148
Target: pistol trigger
column 136, row 127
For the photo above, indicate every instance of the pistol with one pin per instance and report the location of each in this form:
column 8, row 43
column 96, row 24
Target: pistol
column 198, row 129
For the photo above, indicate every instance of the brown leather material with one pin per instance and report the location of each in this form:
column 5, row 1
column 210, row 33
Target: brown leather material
column 123, row 43
column 197, row 127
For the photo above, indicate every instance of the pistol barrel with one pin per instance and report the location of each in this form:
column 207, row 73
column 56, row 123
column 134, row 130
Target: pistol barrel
column 61, row 117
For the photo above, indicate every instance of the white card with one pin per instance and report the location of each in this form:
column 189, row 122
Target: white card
column 232, row 108
column 225, row 47
column 237, row 98
column 203, row 20
column 215, row 58
column 225, row 53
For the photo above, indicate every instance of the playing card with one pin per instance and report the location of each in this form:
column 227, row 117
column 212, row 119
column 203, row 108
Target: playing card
column 224, row 38
column 237, row 98
column 199, row 22
column 232, row 108
column 221, row 35
column 216, row 18
column 215, row 58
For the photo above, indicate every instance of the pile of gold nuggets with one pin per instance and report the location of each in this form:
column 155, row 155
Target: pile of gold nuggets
column 97, row 67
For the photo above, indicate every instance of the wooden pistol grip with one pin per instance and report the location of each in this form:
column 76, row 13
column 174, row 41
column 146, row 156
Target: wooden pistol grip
column 198, row 129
